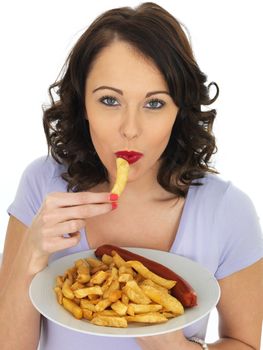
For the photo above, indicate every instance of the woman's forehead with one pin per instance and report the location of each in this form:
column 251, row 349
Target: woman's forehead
column 122, row 64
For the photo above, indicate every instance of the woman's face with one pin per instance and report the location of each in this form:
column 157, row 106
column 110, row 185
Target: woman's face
column 129, row 108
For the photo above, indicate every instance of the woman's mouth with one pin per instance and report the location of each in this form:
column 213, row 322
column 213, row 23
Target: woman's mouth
column 130, row 156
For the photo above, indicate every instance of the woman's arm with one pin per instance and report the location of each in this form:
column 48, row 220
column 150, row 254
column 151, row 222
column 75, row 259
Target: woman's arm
column 240, row 316
column 26, row 253
column 20, row 321
column 241, row 309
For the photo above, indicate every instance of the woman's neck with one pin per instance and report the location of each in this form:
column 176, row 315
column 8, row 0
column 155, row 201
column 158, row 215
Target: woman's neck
column 144, row 189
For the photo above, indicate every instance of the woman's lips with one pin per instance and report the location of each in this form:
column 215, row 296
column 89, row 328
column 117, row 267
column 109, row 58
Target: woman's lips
column 130, row 156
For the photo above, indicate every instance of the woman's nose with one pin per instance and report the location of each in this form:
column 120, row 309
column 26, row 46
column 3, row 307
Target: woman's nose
column 129, row 135
column 130, row 128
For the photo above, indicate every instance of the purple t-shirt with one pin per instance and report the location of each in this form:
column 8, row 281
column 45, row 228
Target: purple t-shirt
column 219, row 228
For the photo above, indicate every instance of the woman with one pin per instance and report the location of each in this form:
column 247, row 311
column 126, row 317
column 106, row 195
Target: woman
column 131, row 83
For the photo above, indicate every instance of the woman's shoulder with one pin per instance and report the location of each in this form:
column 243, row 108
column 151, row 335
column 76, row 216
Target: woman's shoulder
column 230, row 207
column 40, row 177
column 224, row 218
column 216, row 188
column 218, row 195
column 211, row 187
column 43, row 165
column 45, row 172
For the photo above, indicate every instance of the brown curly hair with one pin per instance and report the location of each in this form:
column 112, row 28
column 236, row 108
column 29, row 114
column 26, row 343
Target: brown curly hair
column 156, row 34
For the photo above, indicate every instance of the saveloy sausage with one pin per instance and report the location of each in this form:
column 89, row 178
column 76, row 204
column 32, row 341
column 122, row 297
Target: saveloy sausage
column 182, row 290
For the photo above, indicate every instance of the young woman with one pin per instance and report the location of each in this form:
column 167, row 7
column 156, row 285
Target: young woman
column 131, row 83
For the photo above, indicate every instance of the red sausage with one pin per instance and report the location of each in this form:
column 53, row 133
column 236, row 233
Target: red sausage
column 182, row 290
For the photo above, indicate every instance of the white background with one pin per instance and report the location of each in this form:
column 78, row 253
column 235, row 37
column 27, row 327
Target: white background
column 36, row 37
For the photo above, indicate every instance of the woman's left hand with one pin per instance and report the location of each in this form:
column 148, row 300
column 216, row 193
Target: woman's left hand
column 174, row 340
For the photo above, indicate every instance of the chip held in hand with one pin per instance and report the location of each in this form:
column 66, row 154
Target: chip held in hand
column 122, row 176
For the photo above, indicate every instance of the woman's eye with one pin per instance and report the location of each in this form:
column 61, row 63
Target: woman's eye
column 109, row 101
column 155, row 104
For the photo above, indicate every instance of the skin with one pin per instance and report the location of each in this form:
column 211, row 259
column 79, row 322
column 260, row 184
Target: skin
column 129, row 124
column 127, row 120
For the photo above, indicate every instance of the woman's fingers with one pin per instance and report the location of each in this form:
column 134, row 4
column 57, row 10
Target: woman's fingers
column 62, row 199
column 62, row 228
column 59, row 243
column 87, row 211
column 65, row 213
column 76, row 212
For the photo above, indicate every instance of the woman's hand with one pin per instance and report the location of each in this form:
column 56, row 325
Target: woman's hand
column 174, row 341
column 60, row 214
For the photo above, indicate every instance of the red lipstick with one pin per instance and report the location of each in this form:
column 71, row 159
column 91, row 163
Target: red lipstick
column 130, row 156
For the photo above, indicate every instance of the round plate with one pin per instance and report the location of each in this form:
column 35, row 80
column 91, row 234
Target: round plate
column 44, row 299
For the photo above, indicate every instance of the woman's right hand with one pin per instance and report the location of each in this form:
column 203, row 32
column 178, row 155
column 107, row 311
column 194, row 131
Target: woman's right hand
column 60, row 214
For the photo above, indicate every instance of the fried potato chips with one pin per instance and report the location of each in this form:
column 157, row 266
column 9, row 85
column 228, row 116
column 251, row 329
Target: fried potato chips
column 122, row 176
column 112, row 292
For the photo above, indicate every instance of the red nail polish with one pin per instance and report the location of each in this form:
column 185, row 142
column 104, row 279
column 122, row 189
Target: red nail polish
column 114, row 197
column 114, row 205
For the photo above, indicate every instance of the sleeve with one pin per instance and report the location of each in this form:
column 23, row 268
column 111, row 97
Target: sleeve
column 240, row 235
column 31, row 191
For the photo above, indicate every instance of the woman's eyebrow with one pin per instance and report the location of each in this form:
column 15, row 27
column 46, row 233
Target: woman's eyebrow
column 108, row 87
column 121, row 92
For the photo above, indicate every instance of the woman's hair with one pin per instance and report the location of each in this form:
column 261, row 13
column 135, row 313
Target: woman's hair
column 156, row 34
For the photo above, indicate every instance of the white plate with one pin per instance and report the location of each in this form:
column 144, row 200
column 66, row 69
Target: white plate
column 206, row 286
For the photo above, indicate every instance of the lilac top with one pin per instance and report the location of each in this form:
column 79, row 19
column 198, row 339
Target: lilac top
column 219, row 228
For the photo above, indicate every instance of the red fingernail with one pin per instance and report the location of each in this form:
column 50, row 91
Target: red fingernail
column 114, row 205
column 113, row 197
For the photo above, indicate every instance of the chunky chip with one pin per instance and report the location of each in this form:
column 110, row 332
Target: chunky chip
column 73, row 308
column 122, row 176
column 146, row 273
column 150, row 317
column 166, row 300
column 109, row 321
